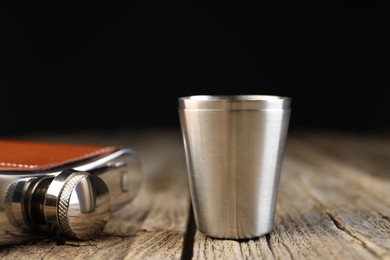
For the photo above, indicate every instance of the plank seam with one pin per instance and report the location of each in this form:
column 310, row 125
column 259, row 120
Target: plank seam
column 241, row 252
column 341, row 226
column 189, row 237
column 338, row 223
column 268, row 240
column 51, row 249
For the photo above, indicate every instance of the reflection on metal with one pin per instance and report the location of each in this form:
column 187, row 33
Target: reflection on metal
column 75, row 201
column 234, row 147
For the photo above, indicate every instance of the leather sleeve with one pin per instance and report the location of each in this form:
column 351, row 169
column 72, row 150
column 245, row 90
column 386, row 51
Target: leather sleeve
column 33, row 156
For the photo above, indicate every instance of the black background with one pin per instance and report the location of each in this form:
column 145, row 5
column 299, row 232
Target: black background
column 106, row 66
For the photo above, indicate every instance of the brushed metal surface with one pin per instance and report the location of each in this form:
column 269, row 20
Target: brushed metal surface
column 234, row 147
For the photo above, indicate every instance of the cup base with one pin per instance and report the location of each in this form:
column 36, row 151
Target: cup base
column 230, row 237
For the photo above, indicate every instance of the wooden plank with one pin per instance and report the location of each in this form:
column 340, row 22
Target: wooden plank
column 326, row 210
column 333, row 203
column 356, row 201
column 152, row 226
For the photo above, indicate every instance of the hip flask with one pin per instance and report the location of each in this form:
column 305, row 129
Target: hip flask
column 62, row 189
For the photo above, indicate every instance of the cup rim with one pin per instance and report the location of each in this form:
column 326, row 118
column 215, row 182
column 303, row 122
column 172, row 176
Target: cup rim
column 234, row 102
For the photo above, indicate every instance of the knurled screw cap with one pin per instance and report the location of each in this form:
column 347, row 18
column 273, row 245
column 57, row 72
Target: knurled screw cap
column 82, row 204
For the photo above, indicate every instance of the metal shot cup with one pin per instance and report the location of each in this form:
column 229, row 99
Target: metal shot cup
column 234, row 148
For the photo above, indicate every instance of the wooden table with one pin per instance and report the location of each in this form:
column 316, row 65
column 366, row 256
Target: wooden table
column 333, row 203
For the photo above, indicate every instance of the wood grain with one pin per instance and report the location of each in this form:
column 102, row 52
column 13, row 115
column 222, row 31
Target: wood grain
column 333, row 203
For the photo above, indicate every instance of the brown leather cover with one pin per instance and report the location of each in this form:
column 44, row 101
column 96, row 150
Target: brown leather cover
column 33, row 156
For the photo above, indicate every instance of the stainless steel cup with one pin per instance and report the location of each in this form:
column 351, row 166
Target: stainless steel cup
column 234, row 147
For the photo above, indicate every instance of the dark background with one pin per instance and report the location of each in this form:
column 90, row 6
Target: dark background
column 106, row 66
